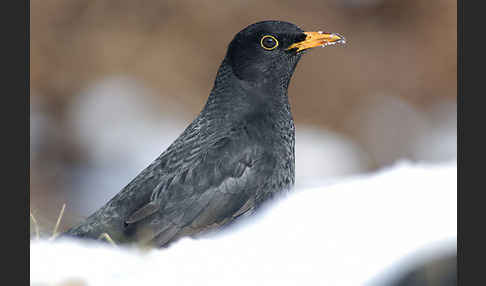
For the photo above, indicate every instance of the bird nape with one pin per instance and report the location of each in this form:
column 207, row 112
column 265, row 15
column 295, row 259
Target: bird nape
column 237, row 153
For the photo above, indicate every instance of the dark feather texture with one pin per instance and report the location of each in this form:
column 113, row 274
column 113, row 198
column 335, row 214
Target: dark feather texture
column 237, row 153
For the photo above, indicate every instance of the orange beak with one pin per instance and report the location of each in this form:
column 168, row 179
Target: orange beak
column 315, row 39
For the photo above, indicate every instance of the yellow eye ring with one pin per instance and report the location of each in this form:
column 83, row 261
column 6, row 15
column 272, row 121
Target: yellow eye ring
column 271, row 37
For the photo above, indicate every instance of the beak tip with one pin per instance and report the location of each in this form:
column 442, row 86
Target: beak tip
column 340, row 38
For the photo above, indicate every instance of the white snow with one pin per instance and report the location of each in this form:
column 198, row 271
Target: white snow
column 345, row 233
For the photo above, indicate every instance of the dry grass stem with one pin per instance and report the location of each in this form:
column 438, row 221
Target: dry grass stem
column 56, row 227
column 107, row 237
column 36, row 226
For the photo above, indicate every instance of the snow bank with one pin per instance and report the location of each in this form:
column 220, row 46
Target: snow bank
column 346, row 233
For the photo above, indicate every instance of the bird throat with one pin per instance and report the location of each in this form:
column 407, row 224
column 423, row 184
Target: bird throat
column 235, row 95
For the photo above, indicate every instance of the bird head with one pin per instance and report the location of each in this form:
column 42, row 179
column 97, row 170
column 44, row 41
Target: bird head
column 270, row 50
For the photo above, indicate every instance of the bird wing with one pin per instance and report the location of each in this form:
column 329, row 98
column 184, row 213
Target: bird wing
column 219, row 184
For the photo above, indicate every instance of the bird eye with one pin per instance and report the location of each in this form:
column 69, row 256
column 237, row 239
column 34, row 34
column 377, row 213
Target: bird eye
column 269, row 42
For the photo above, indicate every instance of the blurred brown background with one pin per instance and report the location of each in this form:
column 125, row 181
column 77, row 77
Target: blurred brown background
column 113, row 82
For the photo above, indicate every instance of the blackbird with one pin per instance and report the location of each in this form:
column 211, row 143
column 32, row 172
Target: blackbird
column 237, row 153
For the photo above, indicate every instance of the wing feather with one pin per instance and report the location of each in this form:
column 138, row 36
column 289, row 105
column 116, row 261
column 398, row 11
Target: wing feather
column 219, row 187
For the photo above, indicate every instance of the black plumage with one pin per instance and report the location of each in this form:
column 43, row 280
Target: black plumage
column 237, row 153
